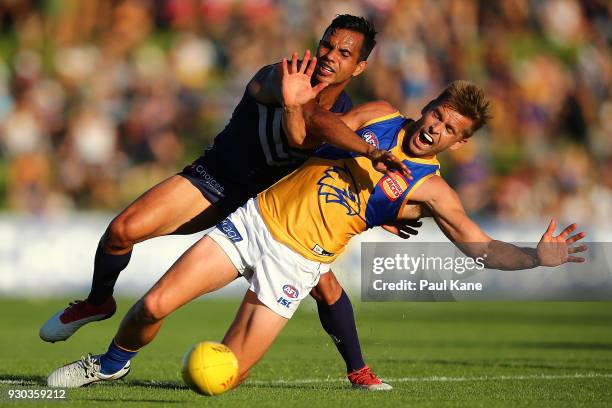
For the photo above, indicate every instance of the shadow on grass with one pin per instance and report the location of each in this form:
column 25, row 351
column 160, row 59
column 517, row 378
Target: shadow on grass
column 165, row 385
column 115, row 400
column 302, row 387
column 23, row 380
column 169, row 385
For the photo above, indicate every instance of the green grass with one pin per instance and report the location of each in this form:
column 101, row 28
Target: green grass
column 491, row 354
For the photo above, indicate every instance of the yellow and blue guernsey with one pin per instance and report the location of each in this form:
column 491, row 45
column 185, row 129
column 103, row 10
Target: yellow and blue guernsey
column 336, row 195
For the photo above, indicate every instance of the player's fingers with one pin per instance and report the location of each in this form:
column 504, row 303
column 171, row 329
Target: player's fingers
column 415, row 223
column 577, row 259
column 408, row 230
column 551, row 227
column 392, row 159
column 305, row 62
column 397, row 162
column 574, row 250
column 311, row 66
column 564, row 234
column 575, row 237
column 285, row 68
column 407, row 172
column 399, row 165
column 403, row 235
column 294, row 62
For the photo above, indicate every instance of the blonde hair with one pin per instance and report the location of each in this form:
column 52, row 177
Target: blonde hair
column 469, row 100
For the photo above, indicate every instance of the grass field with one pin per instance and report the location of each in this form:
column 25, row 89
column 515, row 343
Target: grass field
column 434, row 354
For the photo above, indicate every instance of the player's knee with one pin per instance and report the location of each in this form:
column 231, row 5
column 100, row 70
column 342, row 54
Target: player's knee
column 328, row 290
column 151, row 310
column 123, row 232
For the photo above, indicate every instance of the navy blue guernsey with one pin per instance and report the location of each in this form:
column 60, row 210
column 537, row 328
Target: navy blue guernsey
column 250, row 154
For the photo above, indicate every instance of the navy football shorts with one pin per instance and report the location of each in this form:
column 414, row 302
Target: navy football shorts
column 203, row 180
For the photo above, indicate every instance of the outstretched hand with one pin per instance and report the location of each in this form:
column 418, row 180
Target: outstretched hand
column 555, row 251
column 295, row 81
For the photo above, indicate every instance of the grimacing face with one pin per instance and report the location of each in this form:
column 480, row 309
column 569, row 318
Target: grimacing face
column 439, row 128
column 338, row 56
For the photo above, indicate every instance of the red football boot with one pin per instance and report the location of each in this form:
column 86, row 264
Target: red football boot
column 66, row 322
column 365, row 379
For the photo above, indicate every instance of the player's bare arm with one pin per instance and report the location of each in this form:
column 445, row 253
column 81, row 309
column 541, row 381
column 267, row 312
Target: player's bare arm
column 449, row 214
column 290, row 86
column 300, row 109
column 338, row 127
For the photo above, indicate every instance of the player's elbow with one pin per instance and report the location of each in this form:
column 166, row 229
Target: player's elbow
column 297, row 141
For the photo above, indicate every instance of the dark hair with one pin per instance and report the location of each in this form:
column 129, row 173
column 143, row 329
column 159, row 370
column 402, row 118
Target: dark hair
column 360, row 25
column 469, row 100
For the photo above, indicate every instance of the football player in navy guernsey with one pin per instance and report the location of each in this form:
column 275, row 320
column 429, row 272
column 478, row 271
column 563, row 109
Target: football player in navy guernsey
column 249, row 155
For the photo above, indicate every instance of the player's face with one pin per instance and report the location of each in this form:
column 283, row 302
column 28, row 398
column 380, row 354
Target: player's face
column 338, row 56
column 440, row 128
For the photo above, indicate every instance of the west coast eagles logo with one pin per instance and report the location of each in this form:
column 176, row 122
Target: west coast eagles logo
column 347, row 196
column 393, row 186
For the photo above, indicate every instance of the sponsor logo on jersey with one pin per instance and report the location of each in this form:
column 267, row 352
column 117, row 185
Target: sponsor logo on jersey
column 291, row 291
column 284, row 302
column 370, row 138
column 208, row 179
column 317, row 249
column 229, row 229
column 393, row 186
column 338, row 186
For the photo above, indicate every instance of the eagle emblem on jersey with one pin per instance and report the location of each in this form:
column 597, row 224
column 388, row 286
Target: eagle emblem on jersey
column 347, row 197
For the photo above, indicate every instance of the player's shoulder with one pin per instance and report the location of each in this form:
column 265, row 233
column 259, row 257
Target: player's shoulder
column 434, row 187
column 436, row 181
column 371, row 112
column 264, row 85
column 376, row 109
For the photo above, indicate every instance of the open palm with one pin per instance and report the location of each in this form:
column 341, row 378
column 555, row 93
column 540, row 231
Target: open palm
column 554, row 251
column 296, row 86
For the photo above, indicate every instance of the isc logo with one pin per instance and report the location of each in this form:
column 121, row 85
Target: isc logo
column 283, row 302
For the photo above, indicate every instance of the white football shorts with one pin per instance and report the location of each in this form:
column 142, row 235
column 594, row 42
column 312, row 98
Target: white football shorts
column 279, row 276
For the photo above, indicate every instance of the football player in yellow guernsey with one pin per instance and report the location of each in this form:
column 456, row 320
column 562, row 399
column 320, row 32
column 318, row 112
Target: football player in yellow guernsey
column 284, row 239
column 337, row 195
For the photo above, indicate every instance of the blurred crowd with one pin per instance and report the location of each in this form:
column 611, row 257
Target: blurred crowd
column 101, row 99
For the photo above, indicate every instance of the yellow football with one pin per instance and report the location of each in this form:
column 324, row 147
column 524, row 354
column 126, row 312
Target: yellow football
column 210, row 368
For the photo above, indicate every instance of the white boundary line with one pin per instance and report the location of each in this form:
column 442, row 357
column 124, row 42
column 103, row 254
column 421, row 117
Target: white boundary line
column 397, row 380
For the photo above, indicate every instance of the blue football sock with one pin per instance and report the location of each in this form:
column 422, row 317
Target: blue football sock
column 339, row 322
column 107, row 268
column 115, row 358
